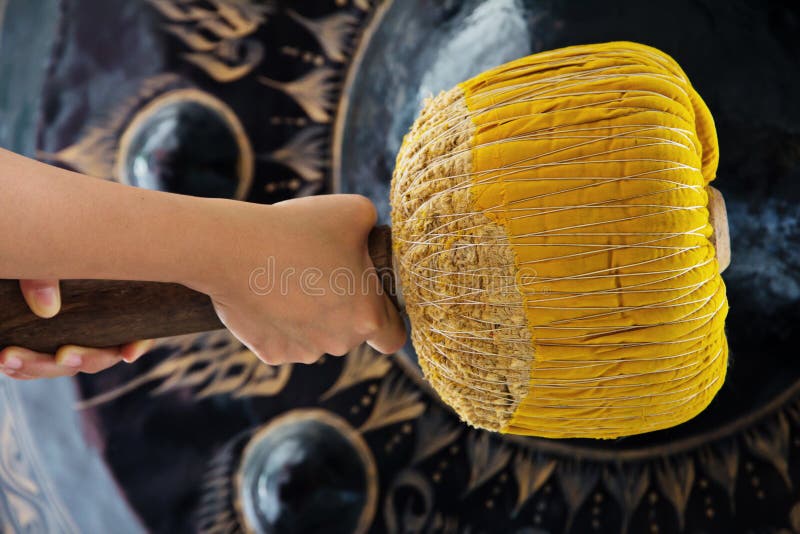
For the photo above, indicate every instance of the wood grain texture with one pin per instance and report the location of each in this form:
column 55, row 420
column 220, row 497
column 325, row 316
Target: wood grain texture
column 718, row 218
column 104, row 313
column 380, row 250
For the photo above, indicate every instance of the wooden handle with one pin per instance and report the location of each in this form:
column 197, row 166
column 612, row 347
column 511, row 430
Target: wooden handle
column 380, row 250
column 718, row 218
column 103, row 313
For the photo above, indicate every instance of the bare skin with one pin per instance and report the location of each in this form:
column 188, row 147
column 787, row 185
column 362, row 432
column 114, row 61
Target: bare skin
column 43, row 298
column 63, row 225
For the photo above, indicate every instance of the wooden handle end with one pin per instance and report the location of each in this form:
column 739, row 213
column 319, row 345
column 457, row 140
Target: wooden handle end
column 718, row 218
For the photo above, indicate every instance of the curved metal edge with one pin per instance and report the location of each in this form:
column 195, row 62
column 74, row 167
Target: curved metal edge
column 529, row 442
column 246, row 163
column 347, row 431
column 344, row 100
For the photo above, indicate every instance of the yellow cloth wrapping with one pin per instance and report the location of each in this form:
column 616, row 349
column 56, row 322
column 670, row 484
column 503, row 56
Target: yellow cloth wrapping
column 594, row 159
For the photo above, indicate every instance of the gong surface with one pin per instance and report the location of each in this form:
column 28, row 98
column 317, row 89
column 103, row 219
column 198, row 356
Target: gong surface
column 750, row 84
column 321, row 92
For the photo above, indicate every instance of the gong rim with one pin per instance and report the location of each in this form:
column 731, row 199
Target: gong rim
column 412, row 370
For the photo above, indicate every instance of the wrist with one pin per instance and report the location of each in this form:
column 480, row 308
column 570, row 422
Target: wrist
column 227, row 243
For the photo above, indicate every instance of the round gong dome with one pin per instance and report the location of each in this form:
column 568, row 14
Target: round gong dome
column 187, row 142
column 416, row 48
column 307, row 471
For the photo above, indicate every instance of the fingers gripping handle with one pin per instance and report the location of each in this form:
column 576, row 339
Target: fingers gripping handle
column 104, row 313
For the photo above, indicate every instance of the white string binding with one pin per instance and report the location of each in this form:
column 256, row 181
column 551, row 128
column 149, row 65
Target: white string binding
column 441, row 289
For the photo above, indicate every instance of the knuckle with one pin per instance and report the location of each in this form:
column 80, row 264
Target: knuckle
column 268, row 351
column 367, row 328
column 365, row 208
column 338, row 349
column 311, row 358
column 302, row 355
column 370, row 321
column 266, row 357
column 264, row 353
column 293, row 356
column 305, row 352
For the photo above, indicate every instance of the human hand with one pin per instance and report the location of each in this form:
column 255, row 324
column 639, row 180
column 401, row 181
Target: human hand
column 278, row 282
column 44, row 300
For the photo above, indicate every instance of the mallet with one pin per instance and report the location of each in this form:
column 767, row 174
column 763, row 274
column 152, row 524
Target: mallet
column 557, row 243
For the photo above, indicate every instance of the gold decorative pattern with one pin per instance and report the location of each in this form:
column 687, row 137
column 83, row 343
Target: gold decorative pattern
column 487, row 456
column 409, row 519
column 223, row 366
column 20, row 491
column 28, row 502
column 675, row 478
column 305, row 154
column 435, row 431
column 361, row 364
column 215, row 514
column 217, row 66
column 794, row 517
column 229, row 55
column 531, row 471
column 313, row 92
column 332, row 32
column 720, row 461
column 178, row 11
column 396, row 401
column 772, row 446
column 577, row 480
column 627, row 484
column 222, row 42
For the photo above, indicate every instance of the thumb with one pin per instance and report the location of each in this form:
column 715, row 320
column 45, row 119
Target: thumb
column 42, row 296
column 392, row 336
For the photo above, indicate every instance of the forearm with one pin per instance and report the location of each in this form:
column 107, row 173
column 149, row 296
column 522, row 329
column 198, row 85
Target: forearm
column 63, row 225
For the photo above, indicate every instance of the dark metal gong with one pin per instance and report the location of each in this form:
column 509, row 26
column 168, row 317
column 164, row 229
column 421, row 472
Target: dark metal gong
column 741, row 57
column 265, row 100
